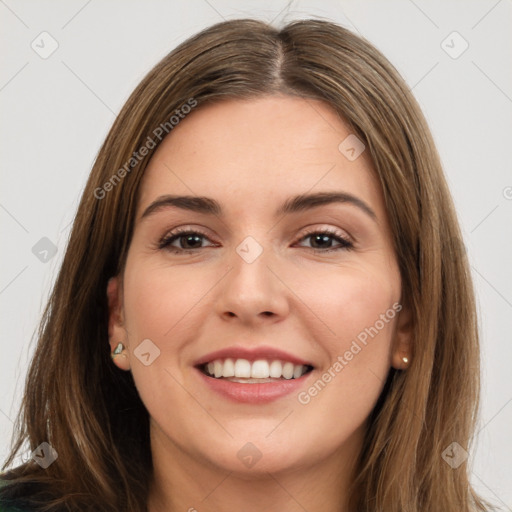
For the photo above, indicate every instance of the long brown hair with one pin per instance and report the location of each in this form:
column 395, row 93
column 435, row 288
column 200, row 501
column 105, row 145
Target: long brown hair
column 90, row 412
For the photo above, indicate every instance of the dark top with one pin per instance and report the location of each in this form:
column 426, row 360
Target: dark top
column 8, row 507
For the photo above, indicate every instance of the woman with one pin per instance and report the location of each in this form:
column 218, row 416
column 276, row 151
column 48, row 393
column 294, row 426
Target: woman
column 264, row 304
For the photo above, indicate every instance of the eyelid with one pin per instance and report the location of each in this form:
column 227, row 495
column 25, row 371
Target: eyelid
column 327, row 229
column 163, row 242
column 344, row 240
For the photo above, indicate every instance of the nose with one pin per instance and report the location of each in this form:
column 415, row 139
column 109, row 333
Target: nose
column 253, row 292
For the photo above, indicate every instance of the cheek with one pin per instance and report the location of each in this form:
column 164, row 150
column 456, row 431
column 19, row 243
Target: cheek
column 157, row 298
column 162, row 304
column 361, row 313
column 354, row 299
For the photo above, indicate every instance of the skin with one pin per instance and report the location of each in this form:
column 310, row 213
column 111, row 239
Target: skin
column 251, row 155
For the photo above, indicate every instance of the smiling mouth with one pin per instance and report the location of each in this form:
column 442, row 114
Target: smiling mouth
column 253, row 372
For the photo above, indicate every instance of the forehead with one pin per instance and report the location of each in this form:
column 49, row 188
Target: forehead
column 258, row 152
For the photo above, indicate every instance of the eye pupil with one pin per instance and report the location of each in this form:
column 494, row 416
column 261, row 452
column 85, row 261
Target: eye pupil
column 321, row 238
column 188, row 238
column 192, row 241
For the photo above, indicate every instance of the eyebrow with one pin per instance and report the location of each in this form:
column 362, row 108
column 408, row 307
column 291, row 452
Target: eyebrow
column 302, row 202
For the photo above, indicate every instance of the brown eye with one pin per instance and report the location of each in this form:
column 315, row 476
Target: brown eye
column 187, row 241
column 322, row 241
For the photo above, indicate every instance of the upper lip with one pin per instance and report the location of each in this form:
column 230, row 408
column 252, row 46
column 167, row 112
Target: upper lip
column 251, row 354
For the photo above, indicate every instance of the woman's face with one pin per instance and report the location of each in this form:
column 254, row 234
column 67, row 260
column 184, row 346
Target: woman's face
column 246, row 272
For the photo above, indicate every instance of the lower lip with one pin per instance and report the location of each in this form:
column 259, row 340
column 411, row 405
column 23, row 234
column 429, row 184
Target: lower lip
column 254, row 393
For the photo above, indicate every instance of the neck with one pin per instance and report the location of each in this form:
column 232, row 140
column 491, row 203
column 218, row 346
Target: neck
column 183, row 482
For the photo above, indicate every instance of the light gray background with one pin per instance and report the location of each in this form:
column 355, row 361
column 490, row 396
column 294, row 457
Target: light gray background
column 57, row 111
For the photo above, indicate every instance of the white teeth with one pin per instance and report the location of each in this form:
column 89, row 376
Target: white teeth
column 229, row 368
column 218, row 368
column 297, row 371
column 235, row 369
column 276, row 369
column 288, row 370
column 260, row 370
column 242, row 368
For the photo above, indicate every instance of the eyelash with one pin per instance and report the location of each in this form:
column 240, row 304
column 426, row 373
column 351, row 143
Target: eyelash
column 165, row 243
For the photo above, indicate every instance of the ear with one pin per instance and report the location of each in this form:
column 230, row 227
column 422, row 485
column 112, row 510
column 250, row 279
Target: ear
column 402, row 344
column 116, row 329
